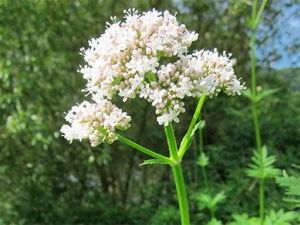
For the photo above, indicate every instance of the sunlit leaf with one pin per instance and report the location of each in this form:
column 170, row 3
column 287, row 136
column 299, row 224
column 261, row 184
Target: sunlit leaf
column 262, row 165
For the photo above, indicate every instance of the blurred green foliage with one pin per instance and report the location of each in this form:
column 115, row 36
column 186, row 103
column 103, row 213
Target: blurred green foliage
column 45, row 180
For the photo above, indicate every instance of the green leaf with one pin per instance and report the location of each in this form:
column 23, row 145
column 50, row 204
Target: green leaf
column 152, row 161
column 214, row 221
column 265, row 93
column 259, row 95
column 210, row 201
column 262, row 165
column 292, row 188
column 219, row 197
column 247, row 93
column 280, row 218
column 199, row 125
column 273, row 218
column 203, row 160
column 244, row 219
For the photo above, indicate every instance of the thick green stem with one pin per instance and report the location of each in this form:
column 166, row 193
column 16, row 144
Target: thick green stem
column 178, row 176
column 144, row 150
column 181, row 194
column 171, row 141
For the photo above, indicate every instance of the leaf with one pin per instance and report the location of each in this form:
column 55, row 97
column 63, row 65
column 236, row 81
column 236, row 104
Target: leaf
column 247, row 93
column 273, row 218
column 210, row 201
column 203, row 160
column 262, row 165
column 259, row 95
column 244, row 219
column 152, row 161
column 265, row 93
column 292, row 188
column 218, row 199
column 280, row 218
column 199, row 125
column 214, row 221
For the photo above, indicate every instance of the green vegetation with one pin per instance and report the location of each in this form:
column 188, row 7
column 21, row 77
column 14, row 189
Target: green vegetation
column 45, row 180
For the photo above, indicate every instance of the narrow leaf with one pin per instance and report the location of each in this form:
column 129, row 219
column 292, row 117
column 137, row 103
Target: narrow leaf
column 189, row 139
column 265, row 93
column 247, row 93
column 152, row 161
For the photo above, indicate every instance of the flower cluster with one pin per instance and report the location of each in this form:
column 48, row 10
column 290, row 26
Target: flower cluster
column 146, row 56
column 203, row 72
column 95, row 121
column 120, row 59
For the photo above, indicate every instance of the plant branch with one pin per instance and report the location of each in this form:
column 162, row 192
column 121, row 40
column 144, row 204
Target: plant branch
column 144, row 150
column 259, row 13
column 178, row 176
column 196, row 115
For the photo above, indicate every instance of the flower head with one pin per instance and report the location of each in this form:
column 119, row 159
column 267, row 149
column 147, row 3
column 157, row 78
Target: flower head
column 146, row 56
column 97, row 122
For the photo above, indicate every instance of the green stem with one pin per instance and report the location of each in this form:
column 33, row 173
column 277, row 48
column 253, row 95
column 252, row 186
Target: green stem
column 201, row 143
column 181, row 194
column 178, row 176
column 256, row 126
column 196, row 169
column 185, row 141
column 201, row 148
column 260, row 11
column 261, row 200
column 253, row 15
column 212, row 213
column 144, row 150
column 204, row 177
column 255, row 19
column 171, row 141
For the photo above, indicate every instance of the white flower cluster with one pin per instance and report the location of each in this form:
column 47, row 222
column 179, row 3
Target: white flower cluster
column 95, row 121
column 146, row 56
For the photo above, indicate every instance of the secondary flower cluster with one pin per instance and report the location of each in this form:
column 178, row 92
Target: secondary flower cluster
column 202, row 72
column 146, row 56
column 95, row 121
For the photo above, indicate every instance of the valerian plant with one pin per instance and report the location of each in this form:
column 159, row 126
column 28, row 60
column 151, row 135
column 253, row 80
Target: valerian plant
column 262, row 166
column 146, row 56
